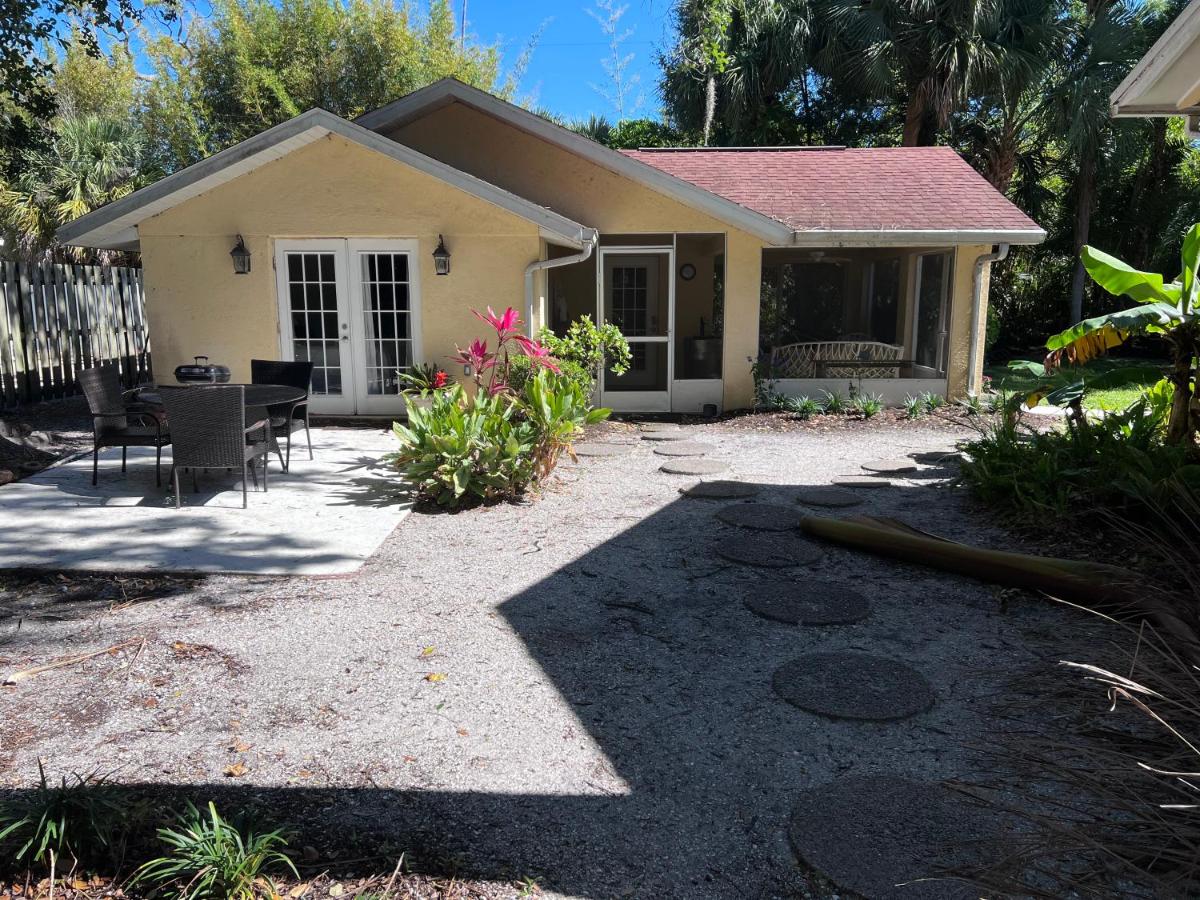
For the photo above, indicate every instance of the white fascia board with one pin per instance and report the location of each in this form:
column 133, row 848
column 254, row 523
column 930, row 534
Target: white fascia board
column 1178, row 37
column 907, row 238
column 448, row 91
column 112, row 223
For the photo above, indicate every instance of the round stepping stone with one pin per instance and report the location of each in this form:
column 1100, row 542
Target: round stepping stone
column 890, row 466
column 683, row 448
column 693, row 467
column 767, row 551
column 807, row 603
column 850, row 685
column 858, row 482
column 871, row 833
column 677, row 434
column 589, row 449
column 828, row 496
column 659, row 426
column 719, row 490
column 761, row 516
column 938, row 458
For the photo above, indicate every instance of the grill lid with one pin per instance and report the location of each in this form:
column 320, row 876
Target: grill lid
column 202, row 371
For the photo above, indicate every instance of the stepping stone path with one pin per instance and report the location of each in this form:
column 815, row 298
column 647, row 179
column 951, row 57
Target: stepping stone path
column 718, row 490
column 806, row 602
column 768, row 551
column 828, row 496
column 659, row 426
column 677, row 434
column 693, row 467
column 890, row 466
column 761, row 516
column 858, row 482
column 590, row 449
column 870, row 833
column 846, row 685
column 939, row 458
column 683, row 448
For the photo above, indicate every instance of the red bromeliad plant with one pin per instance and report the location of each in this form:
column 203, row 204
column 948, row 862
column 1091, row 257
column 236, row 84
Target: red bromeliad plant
column 490, row 369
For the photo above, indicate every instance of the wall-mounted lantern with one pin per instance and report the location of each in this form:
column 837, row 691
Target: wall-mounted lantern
column 441, row 258
column 241, row 257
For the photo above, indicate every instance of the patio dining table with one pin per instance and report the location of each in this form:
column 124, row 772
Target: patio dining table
column 256, row 394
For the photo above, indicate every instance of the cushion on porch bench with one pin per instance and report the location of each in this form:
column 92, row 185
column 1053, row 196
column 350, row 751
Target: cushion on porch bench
column 800, row 360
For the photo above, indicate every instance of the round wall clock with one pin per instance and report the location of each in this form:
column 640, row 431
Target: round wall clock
column 687, row 271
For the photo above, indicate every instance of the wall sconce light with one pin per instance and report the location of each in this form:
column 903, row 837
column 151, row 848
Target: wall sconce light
column 241, row 257
column 441, row 258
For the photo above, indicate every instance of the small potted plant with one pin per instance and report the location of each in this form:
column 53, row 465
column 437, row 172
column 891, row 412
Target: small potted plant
column 421, row 382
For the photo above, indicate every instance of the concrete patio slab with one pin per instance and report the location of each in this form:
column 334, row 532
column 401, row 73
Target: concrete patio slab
column 325, row 516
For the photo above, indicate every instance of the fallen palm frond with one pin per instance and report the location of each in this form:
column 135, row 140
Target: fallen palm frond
column 1096, row 586
column 64, row 661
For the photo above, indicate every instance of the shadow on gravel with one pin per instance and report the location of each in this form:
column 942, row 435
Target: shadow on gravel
column 647, row 640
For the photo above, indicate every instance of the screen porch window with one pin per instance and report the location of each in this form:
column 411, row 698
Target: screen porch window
column 631, row 308
column 312, row 299
column 387, row 320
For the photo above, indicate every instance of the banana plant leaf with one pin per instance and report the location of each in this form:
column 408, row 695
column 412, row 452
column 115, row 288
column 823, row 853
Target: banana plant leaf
column 1095, row 586
column 1119, row 278
column 1094, row 337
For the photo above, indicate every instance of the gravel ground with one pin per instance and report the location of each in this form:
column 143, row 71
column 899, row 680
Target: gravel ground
column 569, row 689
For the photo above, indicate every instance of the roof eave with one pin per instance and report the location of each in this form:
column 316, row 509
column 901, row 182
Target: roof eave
column 1178, row 37
column 110, row 226
column 914, row 238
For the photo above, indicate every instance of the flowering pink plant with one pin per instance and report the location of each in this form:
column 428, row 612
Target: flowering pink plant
column 494, row 364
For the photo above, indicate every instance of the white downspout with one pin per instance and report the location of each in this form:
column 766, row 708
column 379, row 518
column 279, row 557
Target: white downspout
column 590, row 238
column 976, row 311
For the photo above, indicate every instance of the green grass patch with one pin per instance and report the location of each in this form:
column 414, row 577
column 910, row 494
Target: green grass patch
column 1113, row 397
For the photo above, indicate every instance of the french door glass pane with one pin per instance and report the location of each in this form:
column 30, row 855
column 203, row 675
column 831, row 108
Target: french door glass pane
column 386, row 328
column 312, row 299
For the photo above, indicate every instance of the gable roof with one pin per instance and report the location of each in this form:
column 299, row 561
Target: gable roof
column 894, row 195
column 114, row 226
column 787, row 196
column 450, row 90
column 1166, row 81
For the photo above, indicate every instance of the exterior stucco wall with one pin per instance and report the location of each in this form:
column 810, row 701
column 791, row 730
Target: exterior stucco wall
column 330, row 189
column 959, row 381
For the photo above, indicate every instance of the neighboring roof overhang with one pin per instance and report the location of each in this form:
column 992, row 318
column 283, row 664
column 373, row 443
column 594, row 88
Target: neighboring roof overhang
column 448, row 90
column 1166, row 81
column 114, row 226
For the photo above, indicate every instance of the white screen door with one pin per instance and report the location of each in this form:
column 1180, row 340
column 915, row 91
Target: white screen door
column 350, row 307
column 637, row 290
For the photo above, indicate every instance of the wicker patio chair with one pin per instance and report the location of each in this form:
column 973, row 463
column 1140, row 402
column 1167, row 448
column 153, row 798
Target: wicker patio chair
column 112, row 413
column 291, row 416
column 209, row 431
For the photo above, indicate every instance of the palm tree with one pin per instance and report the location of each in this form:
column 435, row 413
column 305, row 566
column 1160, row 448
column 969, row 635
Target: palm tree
column 90, row 161
column 1103, row 40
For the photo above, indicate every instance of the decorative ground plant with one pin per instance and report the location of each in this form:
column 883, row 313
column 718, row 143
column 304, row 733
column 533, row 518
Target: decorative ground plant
column 506, row 435
column 423, row 379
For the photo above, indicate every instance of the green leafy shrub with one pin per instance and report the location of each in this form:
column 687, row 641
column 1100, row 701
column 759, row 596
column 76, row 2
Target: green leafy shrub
column 80, row 819
column 932, row 402
column 558, row 408
column 914, row 407
column 424, row 378
column 589, row 346
column 868, row 405
column 1109, row 464
column 521, row 369
column 210, row 858
column 803, row 407
column 973, row 405
column 833, row 404
column 462, row 448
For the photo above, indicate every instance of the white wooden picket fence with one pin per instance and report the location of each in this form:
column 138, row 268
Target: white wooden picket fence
column 56, row 319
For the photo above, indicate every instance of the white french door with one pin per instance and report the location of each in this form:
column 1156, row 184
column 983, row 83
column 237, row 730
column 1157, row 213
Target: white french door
column 636, row 287
column 352, row 308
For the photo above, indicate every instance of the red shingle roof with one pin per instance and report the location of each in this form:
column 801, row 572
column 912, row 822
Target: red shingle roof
column 835, row 189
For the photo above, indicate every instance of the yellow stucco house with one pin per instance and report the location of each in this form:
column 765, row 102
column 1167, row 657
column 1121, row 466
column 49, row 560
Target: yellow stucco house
column 838, row 265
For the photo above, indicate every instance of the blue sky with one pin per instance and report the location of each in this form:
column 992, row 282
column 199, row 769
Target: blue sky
column 567, row 59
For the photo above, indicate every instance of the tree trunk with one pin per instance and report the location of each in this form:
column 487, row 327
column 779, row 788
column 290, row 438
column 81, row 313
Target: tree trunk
column 1179, row 425
column 914, row 119
column 1085, row 190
